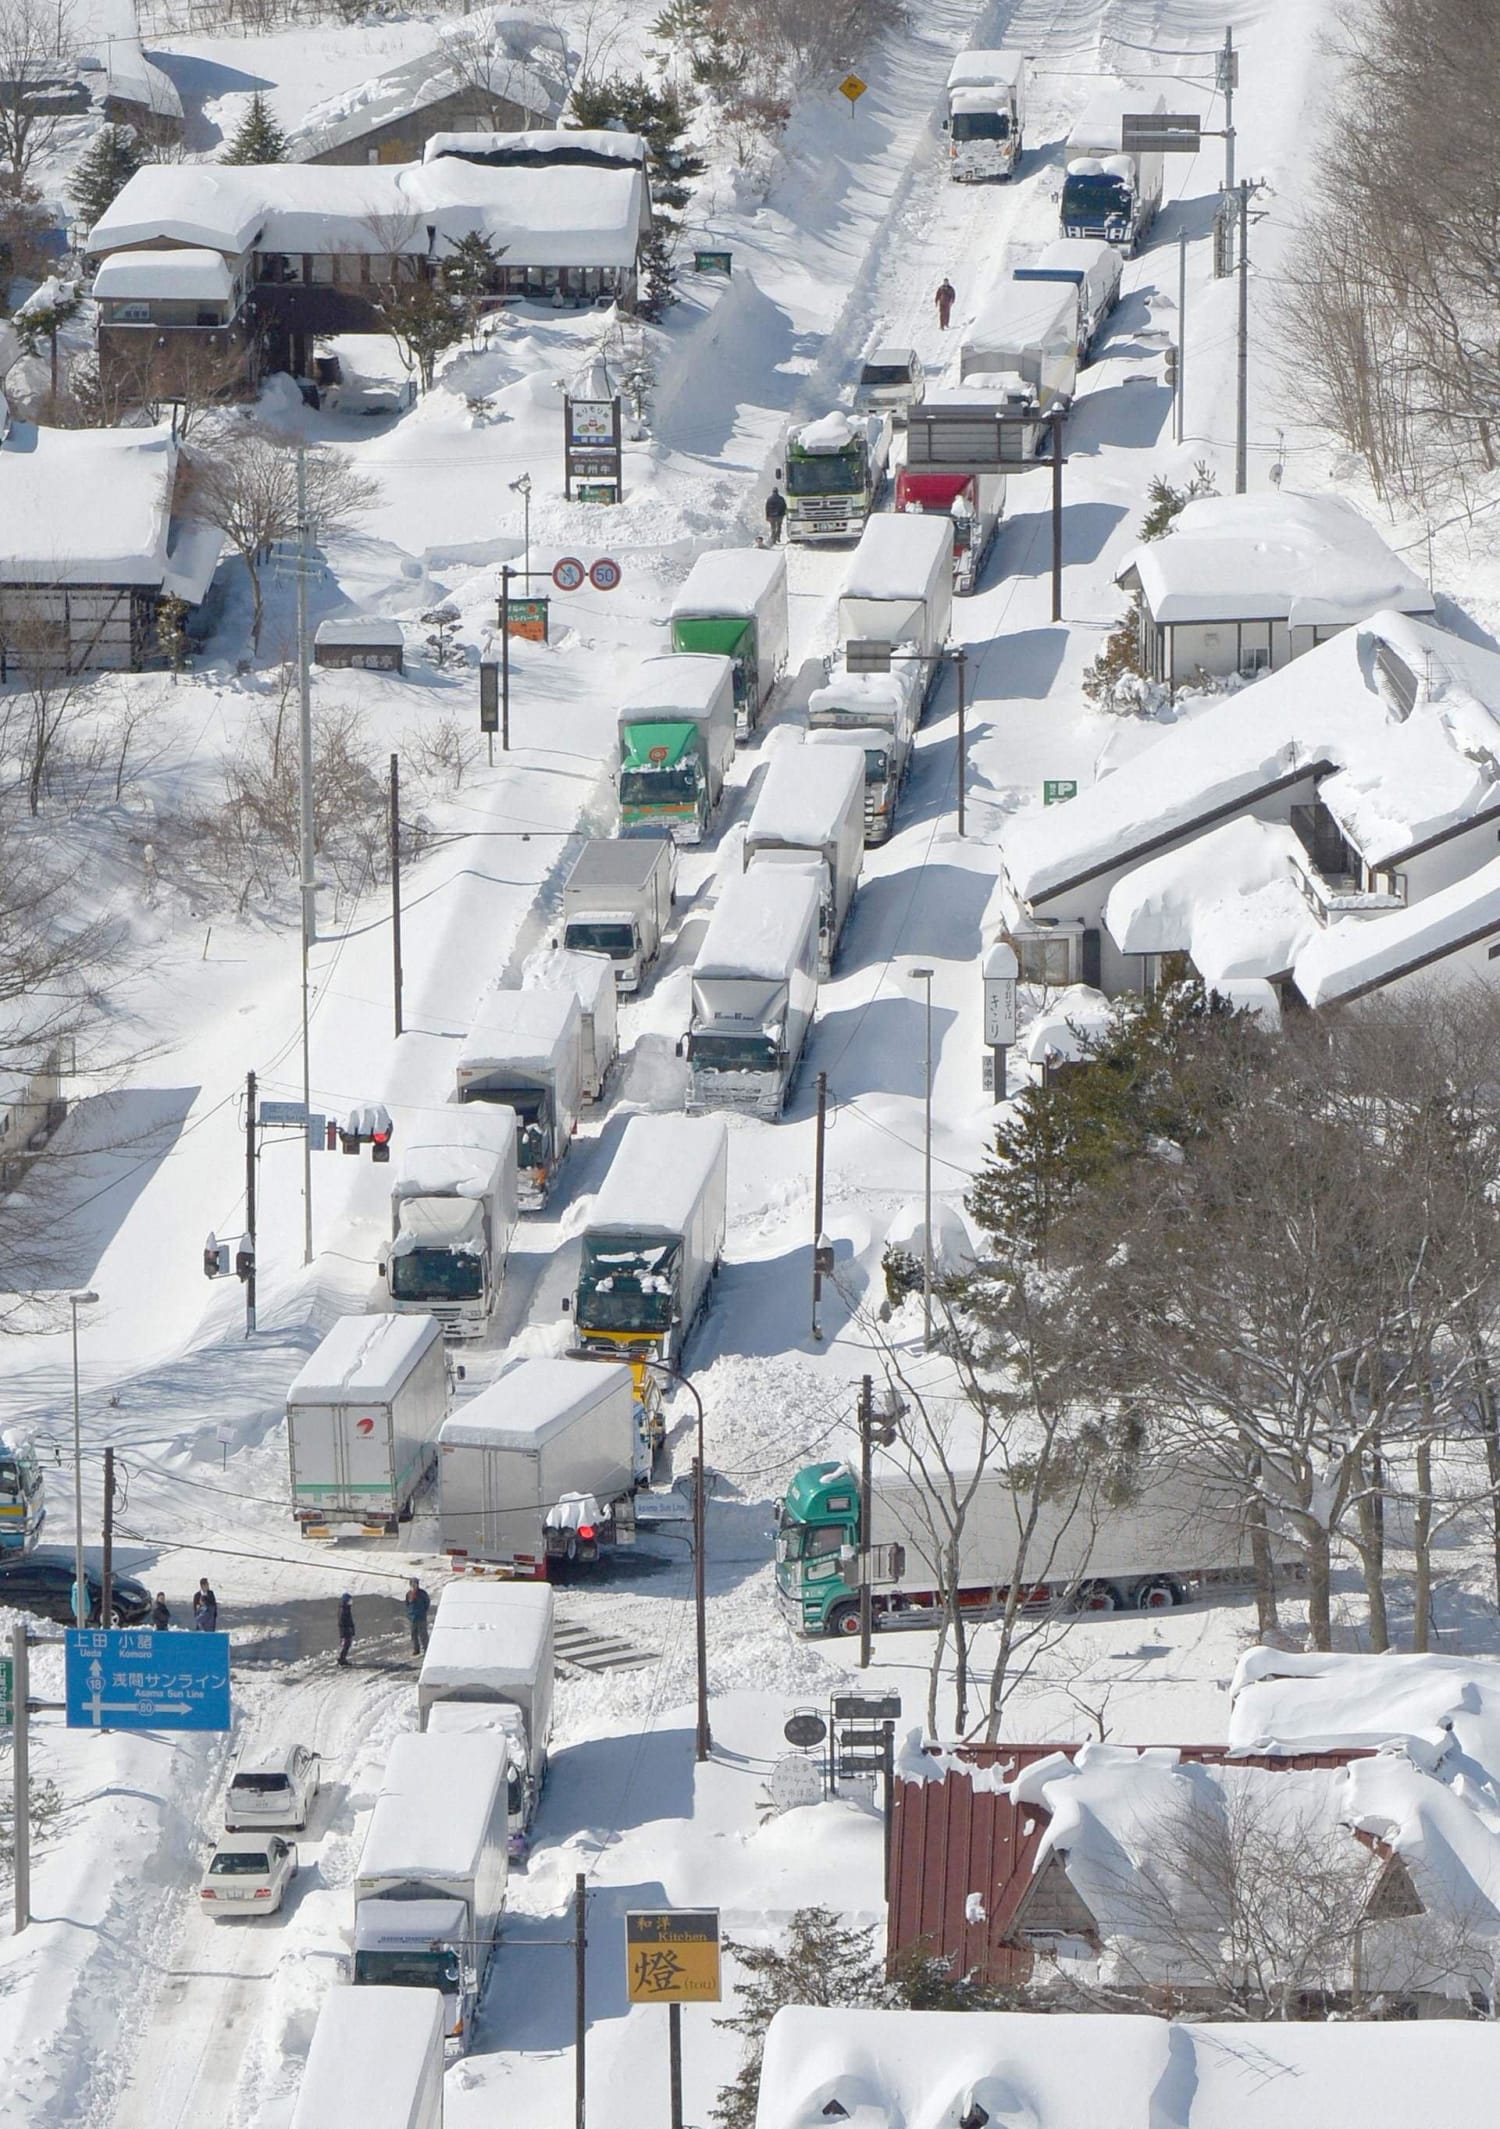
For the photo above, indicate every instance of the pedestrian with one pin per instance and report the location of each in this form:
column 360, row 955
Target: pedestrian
column 775, row 513
column 418, row 1605
column 161, row 1618
column 945, row 299
column 205, row 1608
column 346, row 1628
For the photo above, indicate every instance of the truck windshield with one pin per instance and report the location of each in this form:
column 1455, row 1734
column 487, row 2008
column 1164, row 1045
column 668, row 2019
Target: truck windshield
column 437, row 1274
column 810, row 1541
column 660, row 787
column 616, row 940
column 874, row 375
column 625, row 1286
column 436, row 1969
column 20, row 1475
column 825, row 473
column 981, row 125
column 1095, row 197
column 748, row 1052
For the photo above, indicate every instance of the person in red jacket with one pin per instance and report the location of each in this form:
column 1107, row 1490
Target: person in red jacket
column 946, row 296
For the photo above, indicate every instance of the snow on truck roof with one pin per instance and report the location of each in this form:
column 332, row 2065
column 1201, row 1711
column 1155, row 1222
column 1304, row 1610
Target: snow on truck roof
column 761, row 920
column 365, row 2060
column 897, row 556
column 530, row 1403
column 448, row 1170
column 471, row 1602
column 364, row 1357
column 1096, row 130
column 436, row 1807
column 986, row 69
column 729, row 580
column 659, row 1173
column 684, row 684
column 1407, row 758
column 806, row 791
column 834, row 431
column 522, row 1028
column 552, row 968
column 1022, row 314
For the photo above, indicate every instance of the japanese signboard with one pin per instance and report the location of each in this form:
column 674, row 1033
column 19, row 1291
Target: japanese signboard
column 713, row 262
column 591, row 421
column 672, row 1955
column 1000, row 975
column 7, row 1693
column 140, row 1680
column 592, row 450
column 528, row 618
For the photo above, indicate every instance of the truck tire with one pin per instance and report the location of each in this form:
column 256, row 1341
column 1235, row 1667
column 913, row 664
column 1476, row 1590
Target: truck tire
column 1159, row 1593
column 843, row 1620
column 1098, row 1597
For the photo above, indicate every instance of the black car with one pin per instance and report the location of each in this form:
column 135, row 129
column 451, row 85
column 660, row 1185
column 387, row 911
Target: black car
column 44, row 1583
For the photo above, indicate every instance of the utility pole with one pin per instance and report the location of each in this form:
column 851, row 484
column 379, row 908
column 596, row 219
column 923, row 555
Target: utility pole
column 250, row 1124
column 107, row 1567
column 395, row 822
column 1229, row 74
column 580, row 1998
column 820, row 1134
column 1057, row 507
column 305, row 820
column 960, row 664
column 866, row 1488
column 1242, row 396
column 506, row 574
column 1181, row 325
column 703, row 1740
column 20, row 1764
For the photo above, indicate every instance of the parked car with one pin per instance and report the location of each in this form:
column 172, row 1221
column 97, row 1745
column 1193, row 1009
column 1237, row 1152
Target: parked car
column 273, row 1788
column 44, row 1583
column 248, row 1873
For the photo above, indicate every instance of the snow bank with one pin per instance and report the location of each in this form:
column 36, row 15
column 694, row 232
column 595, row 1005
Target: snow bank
column 1060, row 1034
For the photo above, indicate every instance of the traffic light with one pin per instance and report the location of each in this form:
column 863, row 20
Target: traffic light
column 370, row 1124
column 244, row 1258
column 216, row 1258
column 1171, row 366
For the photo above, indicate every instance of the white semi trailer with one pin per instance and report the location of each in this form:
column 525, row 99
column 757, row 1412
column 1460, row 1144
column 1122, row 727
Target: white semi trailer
column 755, row 990
column 810, row 812
column 453, row 1216
column 489, row 1663
column 898, row 588
column 525, row 1052
column 591, row 978
column 362, row 1421
column 376, row 2062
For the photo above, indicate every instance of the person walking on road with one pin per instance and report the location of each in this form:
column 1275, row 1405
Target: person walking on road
column 418, row 1605
column 947, row 296
column 161, row 1618
column 205, row 1609
column 346, row 1628
column 775, row 514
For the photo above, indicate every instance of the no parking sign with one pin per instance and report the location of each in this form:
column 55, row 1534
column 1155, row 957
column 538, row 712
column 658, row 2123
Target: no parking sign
column 568, row 574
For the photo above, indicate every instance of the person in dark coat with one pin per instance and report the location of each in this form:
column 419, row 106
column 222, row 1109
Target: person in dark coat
column 205, row 1609
column 418, row 1605
column 161, row 1618
column 346, row 1628
column 775, row 514
column 946, row 297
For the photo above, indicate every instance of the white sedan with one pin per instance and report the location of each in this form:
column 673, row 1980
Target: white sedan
column 248, row 1874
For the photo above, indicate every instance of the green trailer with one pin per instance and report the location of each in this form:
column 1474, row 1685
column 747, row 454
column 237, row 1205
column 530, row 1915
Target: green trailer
column 734, row 605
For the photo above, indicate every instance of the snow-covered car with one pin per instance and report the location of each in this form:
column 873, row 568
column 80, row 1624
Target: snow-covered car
column 891, row 381
column 248, row 1873
column 271, row 1788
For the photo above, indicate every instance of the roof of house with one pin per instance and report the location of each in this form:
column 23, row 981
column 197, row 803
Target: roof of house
column 1283, row 1702
column 520, row 62
column 361, row 630
column 125, row 536
column 1229, row 899
column 106, row 36
column 1309, row 560
column 184, row 275
column 569, row 144
column 1403, row 716
column 1364, row 954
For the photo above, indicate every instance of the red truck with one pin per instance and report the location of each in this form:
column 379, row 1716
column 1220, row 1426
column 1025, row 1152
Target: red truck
column 974, row 501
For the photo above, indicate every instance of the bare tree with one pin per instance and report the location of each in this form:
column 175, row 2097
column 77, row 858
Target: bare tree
column 36, row 51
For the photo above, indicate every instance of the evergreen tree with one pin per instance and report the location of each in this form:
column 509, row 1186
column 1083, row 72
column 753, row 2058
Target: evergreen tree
column 258, row 138
column 105, row 171
column 657, row 115
column 423, row 319
column 658, row 274
column 472, row 271
column 822, row 1962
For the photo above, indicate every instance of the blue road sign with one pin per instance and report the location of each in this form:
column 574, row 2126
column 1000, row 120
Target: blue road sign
column 139, row 1680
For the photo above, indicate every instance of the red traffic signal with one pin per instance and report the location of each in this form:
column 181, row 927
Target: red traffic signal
column 216, row 1258
column 368, row 1125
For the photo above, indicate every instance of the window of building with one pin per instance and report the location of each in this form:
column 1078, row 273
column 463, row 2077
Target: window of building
column 321, row 269
column 1045, row 957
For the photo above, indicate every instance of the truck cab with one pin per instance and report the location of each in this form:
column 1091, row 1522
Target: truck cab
column 22, row 1511
column 664, row 780
column 886, row 763
column 972, row 503
column 817, row 1534
column 835, row 469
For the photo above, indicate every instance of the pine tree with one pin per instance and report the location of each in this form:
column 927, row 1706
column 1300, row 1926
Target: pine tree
column 258, row 139
column 823, row 1963
column 658, row 274
column 105, row 171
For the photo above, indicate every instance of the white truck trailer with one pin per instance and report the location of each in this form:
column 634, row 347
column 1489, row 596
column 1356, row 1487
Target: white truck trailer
column 362, row 1421
column 430, row 1888
column 376, row 2062
column 490, row 1660
column 1089, row 266
column 810, row 810
column 755, row 991
column 525, row 1052
column 591, row 979
column 453, row 1216
column 734, row 603
column 986, row 114
column 898, row 588
column 1108, row 193
column 617, row 900
column 677, row 733
column 1021, row 352
column 886, row 761
column 652, row 1243
column 540, row 1468
column 859, row 703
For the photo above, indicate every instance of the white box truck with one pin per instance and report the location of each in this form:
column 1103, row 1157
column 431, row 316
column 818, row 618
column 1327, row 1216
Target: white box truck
column 898, row 588
column 376, row 2062
column 430, row 1888
column 489, row 1662
column 1106, row 192
column 652, row 1242
column 986, row 114
column 617, row 900
column 677, row 733
column 525, row 1052
column 734, row 604
column 810, row 810
column 540, row 1468
column 1021, row 351
column 591, row 979
column 755, row 990
column 1089, row 266
column 886, row 761
column 857, row 704
column 453, row 1216
column 362, row 1421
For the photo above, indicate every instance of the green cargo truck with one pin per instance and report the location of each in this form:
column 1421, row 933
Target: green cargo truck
column 677, row 733
column 734, row 603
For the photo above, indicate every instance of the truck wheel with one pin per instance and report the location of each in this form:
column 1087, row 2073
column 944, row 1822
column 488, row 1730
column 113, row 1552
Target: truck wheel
column 1098, row 1597
column 1157, row 1595
column 843, row 1620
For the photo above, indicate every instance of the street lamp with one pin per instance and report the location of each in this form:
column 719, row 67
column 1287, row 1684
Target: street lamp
column 522, row 487
column 924, row 975
column 80, row 1587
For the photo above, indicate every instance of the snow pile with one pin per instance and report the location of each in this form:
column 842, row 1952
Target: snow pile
column 1061, row 1034
column 830, row 432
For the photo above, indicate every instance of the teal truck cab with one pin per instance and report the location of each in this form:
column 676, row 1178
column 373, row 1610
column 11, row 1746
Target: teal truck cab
column 22, row 1511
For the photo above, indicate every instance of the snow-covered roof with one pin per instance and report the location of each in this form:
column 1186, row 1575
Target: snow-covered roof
column 1229, row 899
column 530, row 1403
column 689, row 684
column 473, row 1602
column 1310, row 560
column 898, row 555
column 119, row 538
column 1096, row 130
column 370, row 2050
column 872, row 695
column 543, row 216
column 660, row 1170
column 760, row 924
column 1060, row 1034
column 565, row 146
column 506, row 1646
column 1024, row 314
column 421, row 1923
column 359, row 629
column 851, row 735
column 527, row 1029
column 806, row 796
column 497, row 54
column 193, row 550
column 1398, row 774
column 1365, row 953
column 364, row 1358
column 1082, row 258
column 981, row 68
column 449, row 1170
column 891, row 355
column 834, row 431
column 436, row 1810
column 1285, row 1702
column 107, row 40
column 185, row 276
column 728, row 580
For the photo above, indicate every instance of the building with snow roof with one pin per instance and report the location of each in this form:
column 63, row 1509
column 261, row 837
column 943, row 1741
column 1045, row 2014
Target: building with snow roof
column 1245, row 583
column 92, row 539
column 1278, row 831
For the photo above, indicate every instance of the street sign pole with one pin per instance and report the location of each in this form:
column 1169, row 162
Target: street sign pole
column 1057, row 509
column 674, row 2063
column 20, row 1762
column 134, row 1679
